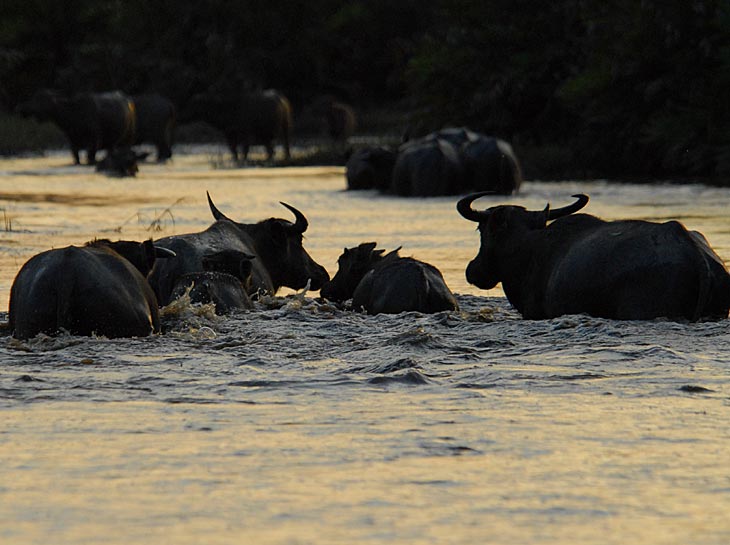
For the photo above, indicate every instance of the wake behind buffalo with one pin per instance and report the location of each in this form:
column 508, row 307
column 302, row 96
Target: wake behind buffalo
column 550, row 262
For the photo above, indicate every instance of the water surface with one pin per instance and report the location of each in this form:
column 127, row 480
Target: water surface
column 301, row 423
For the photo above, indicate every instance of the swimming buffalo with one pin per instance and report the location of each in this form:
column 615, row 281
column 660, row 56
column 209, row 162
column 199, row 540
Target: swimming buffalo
column 387, row 284
column 99, row 288
column 224, row 282
column 121, row 162
column 90, row 121
column 252, row 118
column 280, row 259
column 578, row 263
column 156, row 120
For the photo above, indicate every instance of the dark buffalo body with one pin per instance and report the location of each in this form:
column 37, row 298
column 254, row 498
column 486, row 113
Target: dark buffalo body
column 370, row 168
column 388, row 284
column 630, row 269
column 455, row 160
column 95, row 289
column 341, row 121
column 276, row 244
column 156, row 120
column 490, row 164
column 247, row 119
column 224, row 282
column 90, row 121
column 426, row 168
column 225, row 291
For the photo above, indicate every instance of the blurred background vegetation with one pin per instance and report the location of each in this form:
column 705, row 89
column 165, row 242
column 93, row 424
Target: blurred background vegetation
column 609, row 88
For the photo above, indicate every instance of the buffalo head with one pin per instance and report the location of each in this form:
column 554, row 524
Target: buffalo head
column 352, row 266
column 233, row 262
column 121, row 162
column 504, row 232
column 278, row 247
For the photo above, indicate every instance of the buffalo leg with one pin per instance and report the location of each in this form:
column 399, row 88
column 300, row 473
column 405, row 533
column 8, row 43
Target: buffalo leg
column 91, row 155
column 233, row 146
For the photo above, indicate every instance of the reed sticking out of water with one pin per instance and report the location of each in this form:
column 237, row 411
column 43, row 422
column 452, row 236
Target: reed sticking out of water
column 157, row 224
column 7, row 221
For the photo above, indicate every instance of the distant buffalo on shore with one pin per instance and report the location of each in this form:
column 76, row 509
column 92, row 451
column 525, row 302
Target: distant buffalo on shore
column 90, row 121
column 111, row 121
column 156, row 120
column 447, row 162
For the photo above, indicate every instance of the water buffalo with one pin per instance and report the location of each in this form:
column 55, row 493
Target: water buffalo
column 97, row 289
column 490, row 164
column 255, row 118
column 121, row 162
column 627, row 270
column 90, row 121
column 387, row 284
column 224, row 282
column 156, row 120
column 341, row 121
column 454, row 160
column 426, row 168
column 370, row 168
column 280, row 259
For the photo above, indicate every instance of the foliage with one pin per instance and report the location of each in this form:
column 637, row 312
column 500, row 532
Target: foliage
column 624, row 87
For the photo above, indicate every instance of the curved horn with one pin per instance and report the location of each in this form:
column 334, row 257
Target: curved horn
column 217, row 214
column 465, row 209
column 301, row 224
column 164, row 252
column 570, row 209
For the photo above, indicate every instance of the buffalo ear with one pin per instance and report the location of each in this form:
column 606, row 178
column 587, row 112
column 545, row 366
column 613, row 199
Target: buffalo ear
column 365, row 250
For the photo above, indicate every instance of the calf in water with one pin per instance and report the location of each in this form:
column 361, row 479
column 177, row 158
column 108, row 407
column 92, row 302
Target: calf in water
column 224, row 282
column 389, row 283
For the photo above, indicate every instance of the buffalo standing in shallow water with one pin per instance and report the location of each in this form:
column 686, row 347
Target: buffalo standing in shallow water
column 628, row 270
column 90, row 121
column 370, row 168
column 97, row 289
column 156, row 120
column 254, row 118
column 280, row 259
column 426, row 168
column 388, row 284
column 452, row 161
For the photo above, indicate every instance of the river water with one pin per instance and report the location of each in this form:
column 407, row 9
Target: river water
column 300, row 423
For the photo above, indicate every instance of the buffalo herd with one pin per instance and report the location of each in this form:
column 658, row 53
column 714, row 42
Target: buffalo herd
column 450, row 161
column 108, row 121
column 114, row 122
column 551, row 262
